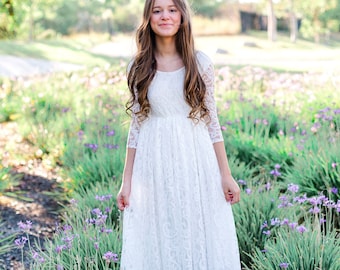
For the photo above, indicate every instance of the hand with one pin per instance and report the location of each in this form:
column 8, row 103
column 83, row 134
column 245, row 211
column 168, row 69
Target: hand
column 123, row 196
column 231, row 190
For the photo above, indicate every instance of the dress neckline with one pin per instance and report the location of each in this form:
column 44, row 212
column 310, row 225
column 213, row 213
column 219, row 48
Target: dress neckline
column 174, row 71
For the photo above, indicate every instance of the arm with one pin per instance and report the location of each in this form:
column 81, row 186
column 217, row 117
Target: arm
column 125, row 189
column 230, row 187
column 132, row 141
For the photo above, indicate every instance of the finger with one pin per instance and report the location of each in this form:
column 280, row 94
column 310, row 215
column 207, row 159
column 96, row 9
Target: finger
column 120, row 202
column 126, row 201
column 236, row 199
column 228, row 197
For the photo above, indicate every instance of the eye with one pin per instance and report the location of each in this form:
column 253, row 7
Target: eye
column 173, row 10
column 156, row 11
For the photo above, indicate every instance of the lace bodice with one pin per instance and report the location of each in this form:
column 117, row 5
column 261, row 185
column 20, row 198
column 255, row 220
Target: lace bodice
column 166, row 99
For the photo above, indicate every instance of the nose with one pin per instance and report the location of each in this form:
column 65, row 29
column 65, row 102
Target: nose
column 165, row 15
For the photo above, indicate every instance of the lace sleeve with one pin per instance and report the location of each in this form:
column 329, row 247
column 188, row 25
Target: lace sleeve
column 132, row 140
column 208, row 75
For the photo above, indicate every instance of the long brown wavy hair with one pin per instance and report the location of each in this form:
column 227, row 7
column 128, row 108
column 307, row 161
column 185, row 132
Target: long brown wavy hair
column 144, row 66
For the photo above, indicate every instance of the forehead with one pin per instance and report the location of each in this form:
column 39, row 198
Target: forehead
column 163, row 3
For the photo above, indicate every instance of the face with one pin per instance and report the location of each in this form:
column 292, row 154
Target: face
column 165, row 18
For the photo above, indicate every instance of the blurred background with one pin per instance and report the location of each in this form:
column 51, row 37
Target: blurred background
column 234, row 32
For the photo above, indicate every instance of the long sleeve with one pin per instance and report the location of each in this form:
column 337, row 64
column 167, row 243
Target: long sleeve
column 208, row 75
column 133, row 134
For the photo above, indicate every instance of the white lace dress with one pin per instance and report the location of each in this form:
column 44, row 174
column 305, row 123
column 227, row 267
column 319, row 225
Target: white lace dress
column 178, row 218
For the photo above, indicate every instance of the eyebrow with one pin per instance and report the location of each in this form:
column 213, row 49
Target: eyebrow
column 171, row 6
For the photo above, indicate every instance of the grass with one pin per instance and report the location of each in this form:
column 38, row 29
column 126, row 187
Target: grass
column 62, row 50
column 281, row 56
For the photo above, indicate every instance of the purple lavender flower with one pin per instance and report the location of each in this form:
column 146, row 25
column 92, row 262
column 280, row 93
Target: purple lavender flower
column 110, row 257
column 90, row 221
column 267, row 232
column 242, row 182
column 275, row 173
column 315, row 210
column 322, row 220
column 73, row 202
column 284, row 202
column 68, row 240
column 293, row 129
column 248, row 191
column 101, row 220
column 103, row 197
column 96, row 211
column 60, row 267
column 264, row 225
column 60, row 248
column 334, row 165
column 275, row 221
column 264, row 250
column 268, row 186
column 301, row 199
column 334, row 190
column 96, row 245
column 284, row 265
column 67, row 227
column 91, row 146
column 301, row 229
column 105, row 230
column 292, row 225
column 37, row 257
column 293, row 188
column 20, row 242
column 285, row 221
column 277, row 166
column 25, row 226
column 110, row 133
column 111, row 146
column 107, row 210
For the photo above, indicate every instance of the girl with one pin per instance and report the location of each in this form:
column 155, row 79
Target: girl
column 177, row 187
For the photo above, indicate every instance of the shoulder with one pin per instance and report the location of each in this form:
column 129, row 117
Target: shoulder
column 204, row 62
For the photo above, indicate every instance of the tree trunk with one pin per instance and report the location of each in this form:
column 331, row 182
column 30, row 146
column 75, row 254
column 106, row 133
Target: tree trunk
column 272, row 31
column 293, row 22
column 316, row 25
column 31, row 22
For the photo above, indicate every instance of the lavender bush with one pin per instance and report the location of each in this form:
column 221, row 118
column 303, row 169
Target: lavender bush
column 281, row 133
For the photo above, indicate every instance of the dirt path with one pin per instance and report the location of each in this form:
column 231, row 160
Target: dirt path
column 12, row 66
column 31, row 201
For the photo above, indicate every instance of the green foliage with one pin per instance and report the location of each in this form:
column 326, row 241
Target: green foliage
column 250, row 214
column 7, row 179
column 88, row 232
column 323, row 171
column 5, row 241
column 9, row 109
column 309, row 250
column 96, row 151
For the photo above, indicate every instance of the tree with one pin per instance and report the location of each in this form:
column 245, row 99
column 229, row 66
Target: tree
column 272, row 24
column 293, row 24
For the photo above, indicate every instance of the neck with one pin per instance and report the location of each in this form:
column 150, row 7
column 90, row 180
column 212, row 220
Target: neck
column 166, row 47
